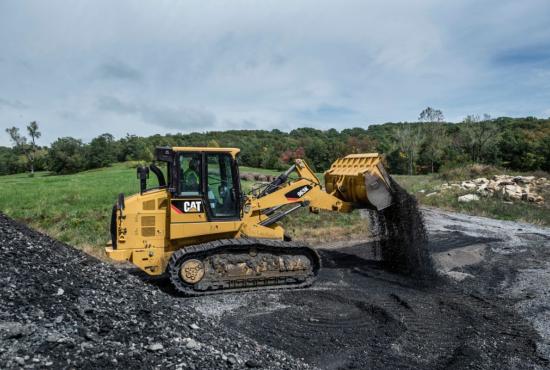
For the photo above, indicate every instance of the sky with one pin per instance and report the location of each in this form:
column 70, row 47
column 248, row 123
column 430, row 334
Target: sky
column 83, row 68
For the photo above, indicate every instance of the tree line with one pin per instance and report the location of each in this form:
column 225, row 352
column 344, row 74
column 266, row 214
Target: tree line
column 409, row 147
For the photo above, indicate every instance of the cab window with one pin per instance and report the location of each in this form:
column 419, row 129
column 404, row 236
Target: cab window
column 190, row 170
column 222, row 195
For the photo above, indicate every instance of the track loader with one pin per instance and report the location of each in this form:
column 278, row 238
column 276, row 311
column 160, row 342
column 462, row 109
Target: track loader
column 200, row 229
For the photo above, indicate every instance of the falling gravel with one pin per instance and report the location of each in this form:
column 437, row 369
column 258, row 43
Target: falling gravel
column 401, row 236
column 61, row 308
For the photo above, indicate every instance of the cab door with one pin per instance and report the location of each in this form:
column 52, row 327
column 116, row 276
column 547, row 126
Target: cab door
column 200, row 201
column 222, row 187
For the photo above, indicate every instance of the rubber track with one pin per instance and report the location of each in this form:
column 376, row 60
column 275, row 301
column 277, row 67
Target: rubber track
column 200, row 251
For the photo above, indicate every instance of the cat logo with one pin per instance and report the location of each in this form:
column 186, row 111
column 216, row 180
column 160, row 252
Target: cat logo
column 192, row 206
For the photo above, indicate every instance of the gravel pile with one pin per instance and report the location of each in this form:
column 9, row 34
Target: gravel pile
column 61, row 308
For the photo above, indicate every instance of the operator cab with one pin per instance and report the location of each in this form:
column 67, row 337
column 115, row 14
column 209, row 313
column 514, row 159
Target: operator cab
column 204, row 180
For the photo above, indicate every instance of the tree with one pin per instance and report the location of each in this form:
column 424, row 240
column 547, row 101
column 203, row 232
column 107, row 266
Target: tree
column 66, row 155
column 409, row 138
column 436, row 134
column 101, row 151
column 32, row 129
column 21, row 146
column 135, row 148
column 477, row 135
column 213, row 144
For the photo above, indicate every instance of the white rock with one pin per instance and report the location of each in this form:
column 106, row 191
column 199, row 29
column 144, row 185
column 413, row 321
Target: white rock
column 155, row 347
column 468, row 185
column 194, row 326
column 468, row 198
column 191, row 344
column 480, row 180
column 20, row 360
column 431, row 194
column 60, row 291
column 459, row 276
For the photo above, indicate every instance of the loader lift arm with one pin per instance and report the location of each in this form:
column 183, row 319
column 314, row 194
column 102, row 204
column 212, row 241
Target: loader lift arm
column 348, row 180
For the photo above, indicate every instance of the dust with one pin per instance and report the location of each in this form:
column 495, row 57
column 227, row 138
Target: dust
column 402, row 236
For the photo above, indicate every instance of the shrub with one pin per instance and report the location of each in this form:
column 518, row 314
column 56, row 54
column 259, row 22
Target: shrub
column 457, row 171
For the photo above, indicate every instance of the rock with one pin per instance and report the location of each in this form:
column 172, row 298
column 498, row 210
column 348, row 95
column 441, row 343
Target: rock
column 54, row 338
column 14, row 330
column 20, row 360
column 468, row 185
column 60, row 291
column 155, row 347
column 191, row 344
column 468, row 198
column 86, row 345
column 523, row 179
column 480, row 180
column 421, row 191
column 252, row 363
column 459, row 276
column 431, row 194
column 231, row 359
column 194, row 326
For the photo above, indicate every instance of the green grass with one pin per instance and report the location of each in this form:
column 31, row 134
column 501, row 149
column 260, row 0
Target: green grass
column 76, row 208
column 72, row 208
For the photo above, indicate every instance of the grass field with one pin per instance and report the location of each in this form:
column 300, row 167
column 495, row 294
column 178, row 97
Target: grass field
column 76, row 208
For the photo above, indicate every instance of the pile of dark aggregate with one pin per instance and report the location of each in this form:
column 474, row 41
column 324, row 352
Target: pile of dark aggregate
column 61, row 308
column 402, row 237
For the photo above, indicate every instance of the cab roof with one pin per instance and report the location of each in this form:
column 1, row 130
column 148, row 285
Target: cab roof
column 232, row 151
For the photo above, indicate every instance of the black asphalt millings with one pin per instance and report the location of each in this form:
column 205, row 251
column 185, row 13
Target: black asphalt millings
column 402, row 236
column 61, row 308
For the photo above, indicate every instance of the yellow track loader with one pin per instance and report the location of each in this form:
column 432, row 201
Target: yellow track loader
column 207, row 236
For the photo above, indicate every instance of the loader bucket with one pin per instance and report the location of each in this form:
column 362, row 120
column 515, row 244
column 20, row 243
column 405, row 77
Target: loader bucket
column 360, row 179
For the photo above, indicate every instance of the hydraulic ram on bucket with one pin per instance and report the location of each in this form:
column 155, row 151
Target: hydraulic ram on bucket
column 360, row 179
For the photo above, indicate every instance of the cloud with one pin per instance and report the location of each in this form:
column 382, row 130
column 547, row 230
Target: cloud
column 112, row 104
column 180, row 118
column 14, row 104
column 537, row 54
column 116, row 70
column 326, row 112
